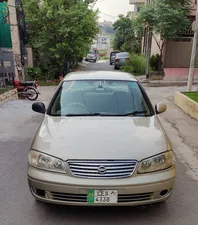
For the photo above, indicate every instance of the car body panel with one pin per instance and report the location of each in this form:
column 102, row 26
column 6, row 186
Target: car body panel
column 130, row 140
column 136, row 185
column 101, row 75
column 112, row 57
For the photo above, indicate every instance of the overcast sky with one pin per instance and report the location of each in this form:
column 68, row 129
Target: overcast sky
column 113, row 8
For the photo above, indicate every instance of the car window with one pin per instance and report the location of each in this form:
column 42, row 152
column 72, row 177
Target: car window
column 122, row 55
column 99, row 97
column 113, row 53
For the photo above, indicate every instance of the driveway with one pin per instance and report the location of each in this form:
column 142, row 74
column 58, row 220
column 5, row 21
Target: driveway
column 18, row 124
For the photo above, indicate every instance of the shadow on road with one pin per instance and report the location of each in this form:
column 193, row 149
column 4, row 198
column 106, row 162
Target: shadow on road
column 103, row 215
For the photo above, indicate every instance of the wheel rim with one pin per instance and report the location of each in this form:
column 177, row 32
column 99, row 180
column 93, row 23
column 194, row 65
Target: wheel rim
column 33, row 93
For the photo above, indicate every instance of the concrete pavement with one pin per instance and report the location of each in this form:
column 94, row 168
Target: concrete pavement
column 18, row 124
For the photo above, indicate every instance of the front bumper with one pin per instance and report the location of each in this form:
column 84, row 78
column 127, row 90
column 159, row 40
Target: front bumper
column 67, row 190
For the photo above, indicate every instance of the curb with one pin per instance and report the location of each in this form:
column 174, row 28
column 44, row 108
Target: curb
column 169, row 83
column 188, row 105
column 8, row 96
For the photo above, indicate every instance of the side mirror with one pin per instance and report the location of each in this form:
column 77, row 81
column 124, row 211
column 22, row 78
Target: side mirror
column 160, row 108
column 38, row 107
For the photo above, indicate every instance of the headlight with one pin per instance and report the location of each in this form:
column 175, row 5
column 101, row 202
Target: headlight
column 156, row 163
column 46, row 162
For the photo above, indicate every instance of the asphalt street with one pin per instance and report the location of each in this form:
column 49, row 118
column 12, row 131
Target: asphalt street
column 18, row 125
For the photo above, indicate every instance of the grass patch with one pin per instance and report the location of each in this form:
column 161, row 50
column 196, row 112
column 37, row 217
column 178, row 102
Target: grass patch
column 192, row 95
column 3, row 90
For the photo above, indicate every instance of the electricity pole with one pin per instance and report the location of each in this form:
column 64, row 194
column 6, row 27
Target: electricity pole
column 148, row 44
column 193, row 55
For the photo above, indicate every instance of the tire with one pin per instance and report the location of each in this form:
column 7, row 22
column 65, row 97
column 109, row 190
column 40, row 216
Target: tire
column 110, row 63
column 35, row 96
column 116, row 68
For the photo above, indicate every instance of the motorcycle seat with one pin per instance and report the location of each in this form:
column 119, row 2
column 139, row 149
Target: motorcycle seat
column 26, row 83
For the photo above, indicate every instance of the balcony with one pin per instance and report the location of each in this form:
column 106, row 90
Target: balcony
column 136, row 2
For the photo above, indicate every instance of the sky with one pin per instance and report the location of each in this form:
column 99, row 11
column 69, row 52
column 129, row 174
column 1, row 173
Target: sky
column 112, row 8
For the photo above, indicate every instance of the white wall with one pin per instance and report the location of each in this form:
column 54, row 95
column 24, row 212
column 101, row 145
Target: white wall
column 154, row 48
column 29, row 56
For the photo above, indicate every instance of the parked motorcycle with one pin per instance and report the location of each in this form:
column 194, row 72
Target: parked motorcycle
column 27, row 89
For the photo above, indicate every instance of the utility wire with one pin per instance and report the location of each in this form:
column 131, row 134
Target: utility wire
column 108, row 15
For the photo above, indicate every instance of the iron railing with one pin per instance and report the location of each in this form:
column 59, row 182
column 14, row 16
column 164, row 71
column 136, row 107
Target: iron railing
column 6, row 79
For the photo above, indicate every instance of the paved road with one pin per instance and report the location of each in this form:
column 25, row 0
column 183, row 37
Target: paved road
column 17, row 207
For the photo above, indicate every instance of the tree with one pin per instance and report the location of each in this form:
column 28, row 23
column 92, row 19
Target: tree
column 126, row 38
column 167, row 18
column 59, row 31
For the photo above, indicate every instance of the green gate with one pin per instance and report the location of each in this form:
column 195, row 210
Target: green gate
column 5, row 34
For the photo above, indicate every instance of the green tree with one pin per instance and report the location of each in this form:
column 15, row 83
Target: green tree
column 167, row 18
column 59, row 30
column 126, row 38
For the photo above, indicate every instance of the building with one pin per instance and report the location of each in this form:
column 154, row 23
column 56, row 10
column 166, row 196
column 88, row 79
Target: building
column 6, row 55
column 102, row 43
column 137, row 6
column 176, row 53
column 13, row 40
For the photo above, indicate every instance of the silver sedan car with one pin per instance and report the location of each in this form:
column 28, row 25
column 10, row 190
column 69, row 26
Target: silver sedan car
column 100, row 143
column 120, row 59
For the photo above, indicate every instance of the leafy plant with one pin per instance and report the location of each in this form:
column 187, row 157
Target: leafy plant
column 165, row 18
column 136, row 65
column 33, row 73
column 59, row 31
column 154, row 62
column 126, row 37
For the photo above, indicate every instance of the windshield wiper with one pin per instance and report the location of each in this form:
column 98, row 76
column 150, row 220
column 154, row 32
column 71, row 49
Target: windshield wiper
column 106, row 114
column 134, row 113
column 83, row 114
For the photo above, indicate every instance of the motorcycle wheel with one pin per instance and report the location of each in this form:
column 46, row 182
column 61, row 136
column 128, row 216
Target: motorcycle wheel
column 34, row 93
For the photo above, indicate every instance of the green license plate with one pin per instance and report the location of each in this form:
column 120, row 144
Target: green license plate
column 102, row 196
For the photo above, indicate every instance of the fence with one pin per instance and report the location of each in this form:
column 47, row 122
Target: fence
column 6, row 79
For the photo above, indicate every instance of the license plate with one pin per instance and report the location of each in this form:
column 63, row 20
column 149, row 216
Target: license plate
column 102, row 196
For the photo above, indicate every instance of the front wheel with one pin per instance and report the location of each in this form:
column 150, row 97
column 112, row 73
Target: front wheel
column 33, row 94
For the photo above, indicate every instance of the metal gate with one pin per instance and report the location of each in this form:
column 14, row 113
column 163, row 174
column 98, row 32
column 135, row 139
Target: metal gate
column 6, row 67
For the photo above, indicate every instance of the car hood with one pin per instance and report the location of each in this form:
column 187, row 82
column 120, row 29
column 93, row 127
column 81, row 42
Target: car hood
column 101, row 137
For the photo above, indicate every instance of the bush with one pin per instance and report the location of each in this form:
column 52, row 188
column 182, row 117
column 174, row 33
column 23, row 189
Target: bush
column 136, row 65
column 154, row 62
column 33, row 73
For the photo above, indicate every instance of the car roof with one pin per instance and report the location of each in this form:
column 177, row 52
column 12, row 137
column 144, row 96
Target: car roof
column 97, row 75
column 120, row 53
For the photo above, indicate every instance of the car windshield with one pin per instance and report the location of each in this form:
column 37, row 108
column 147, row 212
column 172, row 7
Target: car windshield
column 91, row 52
column 99, row 98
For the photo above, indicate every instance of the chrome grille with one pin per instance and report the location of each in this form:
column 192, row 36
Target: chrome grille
column 122, row 198
column 102, row 168
column 135, row 197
